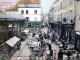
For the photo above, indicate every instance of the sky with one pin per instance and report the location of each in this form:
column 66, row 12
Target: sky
column 46, row 4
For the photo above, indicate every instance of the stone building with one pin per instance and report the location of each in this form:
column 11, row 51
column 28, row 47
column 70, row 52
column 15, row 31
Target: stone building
column 66, row 19
column 31, row 9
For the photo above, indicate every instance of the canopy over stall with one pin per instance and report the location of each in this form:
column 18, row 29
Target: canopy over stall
column 11, row 17
column 11, row 42
column 19, row 17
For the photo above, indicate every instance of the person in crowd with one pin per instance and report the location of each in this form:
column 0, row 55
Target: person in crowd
column 60, row 55
column 34, row 34
column 51, row 53
column 53, row 37
column 68, row 55
column 44, row 55
column 77, row 56
column 49, row 45
column 48, row 36
column 41, row 44
column 44, row 36
column 54, row 54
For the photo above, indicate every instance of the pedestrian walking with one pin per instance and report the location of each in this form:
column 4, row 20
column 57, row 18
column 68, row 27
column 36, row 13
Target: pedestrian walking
column 51, row 53
column 68, row 55
column 44, row 55
column 60, row 55
column 77, row 56
column 54, row 54
column 49, row 45
column 53, row 37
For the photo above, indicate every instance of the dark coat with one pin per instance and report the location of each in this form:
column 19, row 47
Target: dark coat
column 51, row 53
column 60, row 55
column 49, row 45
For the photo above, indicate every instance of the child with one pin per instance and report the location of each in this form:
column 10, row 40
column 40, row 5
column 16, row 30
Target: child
column 54, row 54
column 44, row 55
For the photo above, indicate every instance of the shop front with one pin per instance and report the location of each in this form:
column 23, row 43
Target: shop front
column 33, row 24
column 70, row 33
column 59, row 28
column 77, row 41
column 67, row 33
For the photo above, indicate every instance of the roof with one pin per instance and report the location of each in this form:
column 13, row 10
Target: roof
column 1, row 11
column 30, row 1
column 11, row 42
column 4, row 16
column 15, row 8
column 12, row 17
column 18, row 16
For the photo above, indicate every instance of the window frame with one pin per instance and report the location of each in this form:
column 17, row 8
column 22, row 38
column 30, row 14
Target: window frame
column 35, row 11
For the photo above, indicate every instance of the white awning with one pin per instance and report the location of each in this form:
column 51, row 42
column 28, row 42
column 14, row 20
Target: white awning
column 12, row 17
column 11, row 42
column 5, row 16
column 78, row 33
column 18, row 16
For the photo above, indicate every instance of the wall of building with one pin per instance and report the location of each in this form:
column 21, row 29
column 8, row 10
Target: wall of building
column 33, row 17
column 12, row 12
column 63, row 9
column 77, row 21
column 31, row 14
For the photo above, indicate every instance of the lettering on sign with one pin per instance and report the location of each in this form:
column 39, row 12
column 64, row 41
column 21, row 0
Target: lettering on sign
column 6, row 4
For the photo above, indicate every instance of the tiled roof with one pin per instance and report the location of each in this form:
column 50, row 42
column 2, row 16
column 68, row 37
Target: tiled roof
column 30, row 1
column 1, row 11
column 15, row 8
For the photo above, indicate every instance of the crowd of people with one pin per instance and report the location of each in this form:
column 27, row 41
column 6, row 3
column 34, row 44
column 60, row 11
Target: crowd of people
column 50, row 53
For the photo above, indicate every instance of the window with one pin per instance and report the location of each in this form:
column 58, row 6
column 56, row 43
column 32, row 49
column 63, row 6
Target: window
column 26, row 11
column 29, row 24
column 27, row 18
column 61, row 5
column 35, row 11
column 71, row 14
column 22, row 11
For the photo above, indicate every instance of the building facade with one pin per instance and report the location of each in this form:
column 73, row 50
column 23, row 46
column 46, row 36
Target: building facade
column 77, row 27
column 65, row 19
column 31, row 9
